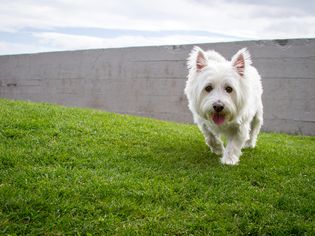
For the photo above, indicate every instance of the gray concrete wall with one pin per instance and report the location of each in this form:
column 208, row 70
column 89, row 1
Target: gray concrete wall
column 149, row 81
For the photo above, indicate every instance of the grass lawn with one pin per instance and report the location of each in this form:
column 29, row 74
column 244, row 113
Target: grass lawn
column 67, row 171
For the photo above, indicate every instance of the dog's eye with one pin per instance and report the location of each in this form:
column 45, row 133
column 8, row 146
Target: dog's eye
column 208, row 88
column 228, row 89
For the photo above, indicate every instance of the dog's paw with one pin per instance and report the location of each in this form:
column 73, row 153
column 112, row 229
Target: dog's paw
column 215, row 147
column 217, row 150
column 230, row 160
column 249, row 144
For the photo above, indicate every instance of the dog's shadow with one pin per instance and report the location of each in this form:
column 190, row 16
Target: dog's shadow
column 190, row 156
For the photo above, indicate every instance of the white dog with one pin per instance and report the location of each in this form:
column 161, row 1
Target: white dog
column 225, row 98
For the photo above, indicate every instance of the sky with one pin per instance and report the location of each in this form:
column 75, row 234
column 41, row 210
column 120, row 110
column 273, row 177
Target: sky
column 31, row 26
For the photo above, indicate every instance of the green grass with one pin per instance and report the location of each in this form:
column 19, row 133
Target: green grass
column 66, row 171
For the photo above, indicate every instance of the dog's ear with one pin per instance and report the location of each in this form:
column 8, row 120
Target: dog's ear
column 240, row 60
column 197, row 59
column 201, row 61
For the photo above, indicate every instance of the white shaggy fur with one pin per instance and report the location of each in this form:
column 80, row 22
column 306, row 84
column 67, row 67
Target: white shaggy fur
column 225, row 98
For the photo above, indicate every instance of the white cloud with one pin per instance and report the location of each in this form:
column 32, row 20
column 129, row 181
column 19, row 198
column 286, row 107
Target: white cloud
column 67, row 41
column 7, row 48
column 293, row 27
column 229, row 17
column 238, row 18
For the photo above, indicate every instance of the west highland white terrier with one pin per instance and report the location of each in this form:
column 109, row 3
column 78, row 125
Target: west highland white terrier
column 225, row 99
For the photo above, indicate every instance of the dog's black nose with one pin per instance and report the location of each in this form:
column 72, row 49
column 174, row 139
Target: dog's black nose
column 218, row 107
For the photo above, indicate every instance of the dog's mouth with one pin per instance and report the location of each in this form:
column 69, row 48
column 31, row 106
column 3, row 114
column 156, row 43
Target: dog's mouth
column 218, row 118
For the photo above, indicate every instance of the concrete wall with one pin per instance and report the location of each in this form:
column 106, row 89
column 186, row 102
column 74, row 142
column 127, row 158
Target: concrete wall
column 149, row 81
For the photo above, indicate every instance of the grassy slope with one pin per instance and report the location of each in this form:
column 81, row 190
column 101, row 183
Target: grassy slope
column 68, row 171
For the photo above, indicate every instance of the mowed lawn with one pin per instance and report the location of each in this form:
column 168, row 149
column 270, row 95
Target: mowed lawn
column 69, row 171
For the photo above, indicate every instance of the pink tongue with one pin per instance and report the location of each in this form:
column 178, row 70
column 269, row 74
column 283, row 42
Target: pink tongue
column 218, row 118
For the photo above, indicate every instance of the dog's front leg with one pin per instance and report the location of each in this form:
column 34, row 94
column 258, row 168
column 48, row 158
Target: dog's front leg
column 214, row 142
column 235, row 143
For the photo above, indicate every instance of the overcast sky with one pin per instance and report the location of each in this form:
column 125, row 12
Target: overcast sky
column 28, row 26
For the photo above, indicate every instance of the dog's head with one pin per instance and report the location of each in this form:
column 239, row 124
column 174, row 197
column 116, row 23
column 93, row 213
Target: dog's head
column 216, row 88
